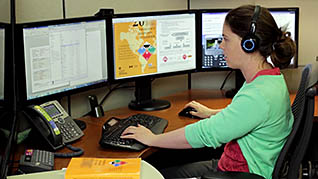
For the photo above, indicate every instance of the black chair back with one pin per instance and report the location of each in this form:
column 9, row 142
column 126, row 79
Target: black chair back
column 298, row 108
column 302, row 137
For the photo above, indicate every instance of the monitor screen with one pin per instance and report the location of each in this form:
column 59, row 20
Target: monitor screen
column 153, row 44
column 2, row 57
column 147, row 45
column 64, row 55
column 212, row 25
column 288, row 18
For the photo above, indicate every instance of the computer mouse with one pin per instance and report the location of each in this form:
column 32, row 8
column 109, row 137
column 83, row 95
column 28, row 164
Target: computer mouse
column 186, row 113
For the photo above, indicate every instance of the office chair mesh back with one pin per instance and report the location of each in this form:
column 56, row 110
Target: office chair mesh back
column 298, row 107
column 300, row 95
column 303, row 135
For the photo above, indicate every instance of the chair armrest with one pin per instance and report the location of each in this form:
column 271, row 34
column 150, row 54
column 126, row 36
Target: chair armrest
column 230, row 175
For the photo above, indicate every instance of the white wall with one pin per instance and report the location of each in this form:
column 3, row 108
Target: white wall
column 36, row 10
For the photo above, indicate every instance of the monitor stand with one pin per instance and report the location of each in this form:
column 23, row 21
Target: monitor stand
column 239, row 80
column 144, row 101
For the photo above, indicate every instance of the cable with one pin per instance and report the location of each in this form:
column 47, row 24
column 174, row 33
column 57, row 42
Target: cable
column 69, row 108
column 111, row 90
column 77, row 152
column 227, row 76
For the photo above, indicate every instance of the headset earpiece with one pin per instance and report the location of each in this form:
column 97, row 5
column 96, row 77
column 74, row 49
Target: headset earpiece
column 250, row 42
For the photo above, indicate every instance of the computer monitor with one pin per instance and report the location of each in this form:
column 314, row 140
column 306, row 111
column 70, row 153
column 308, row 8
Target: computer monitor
column 63, row 56
column 150, row 45
column 2, row 57
column 288, row 18
column 211, row 26
column 5, row 119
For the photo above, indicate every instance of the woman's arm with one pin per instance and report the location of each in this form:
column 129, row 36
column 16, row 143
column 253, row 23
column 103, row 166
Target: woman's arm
column 173, row 139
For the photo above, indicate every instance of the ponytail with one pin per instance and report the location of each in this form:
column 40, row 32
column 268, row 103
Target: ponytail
column 283, row 50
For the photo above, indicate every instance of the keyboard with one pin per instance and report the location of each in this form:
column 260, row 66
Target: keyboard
column 113, row 128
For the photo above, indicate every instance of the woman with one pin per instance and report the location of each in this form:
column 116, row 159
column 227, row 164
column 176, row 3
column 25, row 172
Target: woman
column 256, row 124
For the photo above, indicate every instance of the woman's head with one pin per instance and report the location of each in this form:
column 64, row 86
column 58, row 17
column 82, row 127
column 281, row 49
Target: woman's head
column 273, row 41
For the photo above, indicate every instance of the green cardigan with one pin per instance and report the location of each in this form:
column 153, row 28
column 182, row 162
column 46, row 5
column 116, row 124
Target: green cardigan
column 259, row 117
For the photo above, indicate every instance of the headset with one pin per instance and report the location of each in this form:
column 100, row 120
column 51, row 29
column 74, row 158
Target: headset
column 250, row 41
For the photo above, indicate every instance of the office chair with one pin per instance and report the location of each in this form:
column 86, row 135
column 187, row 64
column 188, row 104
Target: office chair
column 291, row 155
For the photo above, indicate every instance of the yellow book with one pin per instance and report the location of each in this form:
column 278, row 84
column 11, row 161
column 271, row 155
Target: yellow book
column 103, row 168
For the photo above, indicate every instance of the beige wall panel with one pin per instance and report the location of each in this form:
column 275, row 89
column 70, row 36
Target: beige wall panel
column 217, row 4
column 308, row 38
column 38, row 10
column 5, row 11
column 77, row 8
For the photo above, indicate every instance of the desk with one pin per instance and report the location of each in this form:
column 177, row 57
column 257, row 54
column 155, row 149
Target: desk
column 90, row 141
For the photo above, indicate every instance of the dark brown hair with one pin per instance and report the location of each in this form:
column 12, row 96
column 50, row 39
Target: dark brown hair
column 274, row 42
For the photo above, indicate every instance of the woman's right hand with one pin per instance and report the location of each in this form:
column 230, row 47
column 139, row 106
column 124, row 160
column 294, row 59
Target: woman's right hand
column 201, row 110
column 139, row 133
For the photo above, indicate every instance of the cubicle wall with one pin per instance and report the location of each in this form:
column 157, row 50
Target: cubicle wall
column 74, row 8
column 36, row 10
column 5, row 11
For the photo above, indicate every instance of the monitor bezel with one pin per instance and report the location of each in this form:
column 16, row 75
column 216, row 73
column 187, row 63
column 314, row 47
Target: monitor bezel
column 296, row 10
column 200, row 60
column 21, row 67
column 6, row 59
column 276, row 9
column 151, row 76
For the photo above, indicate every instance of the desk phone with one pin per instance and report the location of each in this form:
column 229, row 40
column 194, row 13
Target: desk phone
column 54, row 124
column 36, row 161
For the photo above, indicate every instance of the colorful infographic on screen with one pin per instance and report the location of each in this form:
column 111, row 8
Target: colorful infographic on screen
column 153, row 44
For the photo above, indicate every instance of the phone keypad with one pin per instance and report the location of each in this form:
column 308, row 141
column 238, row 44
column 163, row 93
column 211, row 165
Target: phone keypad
column 44, row 159
column 70, row 131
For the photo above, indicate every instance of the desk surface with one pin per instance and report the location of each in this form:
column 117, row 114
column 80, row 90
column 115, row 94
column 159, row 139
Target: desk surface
column 90, row 141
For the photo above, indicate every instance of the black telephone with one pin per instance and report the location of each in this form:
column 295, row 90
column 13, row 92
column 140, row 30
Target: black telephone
column 36, row 161
column 53, row 123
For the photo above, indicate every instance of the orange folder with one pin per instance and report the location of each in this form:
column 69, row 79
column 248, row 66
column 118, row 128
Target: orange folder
column 103, row 168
